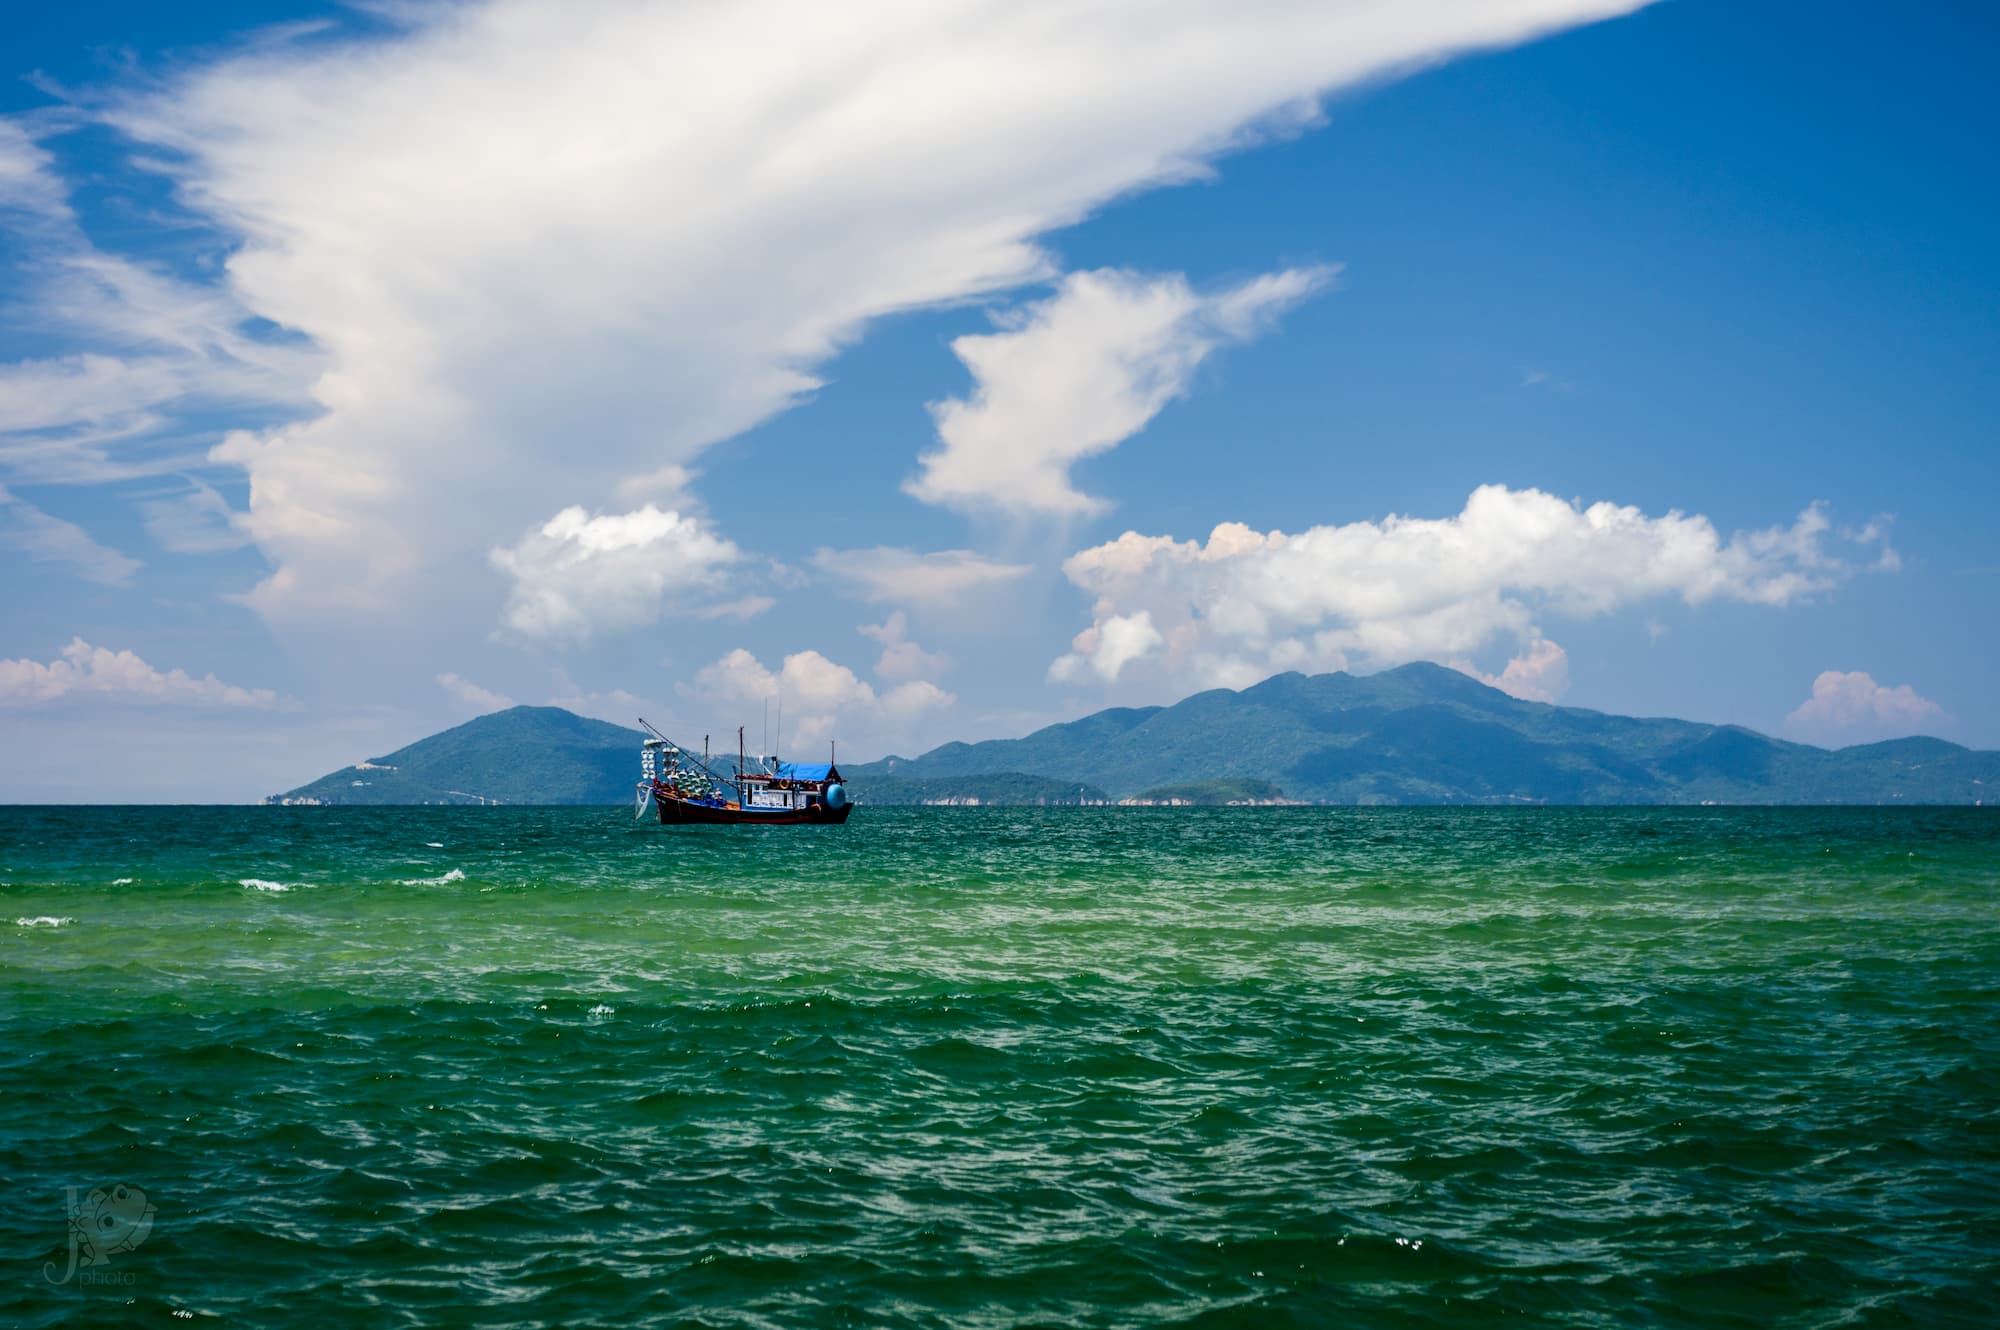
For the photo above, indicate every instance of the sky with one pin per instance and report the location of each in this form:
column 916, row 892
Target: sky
column 943, row 371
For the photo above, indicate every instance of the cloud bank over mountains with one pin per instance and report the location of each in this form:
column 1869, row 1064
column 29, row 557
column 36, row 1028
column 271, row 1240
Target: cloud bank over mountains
column 1246, row 604
column 820, row 699
column 1850, row 707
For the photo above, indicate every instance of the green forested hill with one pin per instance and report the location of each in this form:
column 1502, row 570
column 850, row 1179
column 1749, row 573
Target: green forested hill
column 1426, row 734
column 1417, row 734
column 526, row 755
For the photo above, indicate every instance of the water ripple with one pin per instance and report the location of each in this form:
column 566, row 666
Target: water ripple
column 992, row 1068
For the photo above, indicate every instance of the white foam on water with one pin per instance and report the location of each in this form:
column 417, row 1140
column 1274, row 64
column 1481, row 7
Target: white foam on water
column 455, row 875
column 123, row 881
column 601, row 1010
column 435, row 844
column 44, row 921
column 259, row 884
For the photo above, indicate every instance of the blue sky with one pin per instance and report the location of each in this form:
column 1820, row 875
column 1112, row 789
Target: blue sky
column 362, row 374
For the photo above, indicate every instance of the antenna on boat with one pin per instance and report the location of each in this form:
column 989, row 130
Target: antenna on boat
column 781, row 727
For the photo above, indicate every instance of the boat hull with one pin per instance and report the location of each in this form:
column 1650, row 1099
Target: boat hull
column 679, row 812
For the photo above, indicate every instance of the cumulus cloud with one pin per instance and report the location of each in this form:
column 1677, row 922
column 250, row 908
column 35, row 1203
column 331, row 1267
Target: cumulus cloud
column 901, row 658
column 83, row 670
column 822, row 700
column 546, row 249
column 1851, row 707
column 903, row 576
column 1539, row 674
column 1247, row 604
column 1106, row 647
column 579, row 575
column 47, row 538
column 1079, row 373
column 471, row 696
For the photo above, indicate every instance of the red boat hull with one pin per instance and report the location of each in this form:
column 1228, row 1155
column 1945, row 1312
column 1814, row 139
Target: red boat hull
column 678, row 812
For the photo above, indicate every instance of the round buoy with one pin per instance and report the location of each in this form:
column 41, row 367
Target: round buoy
column 836, row 796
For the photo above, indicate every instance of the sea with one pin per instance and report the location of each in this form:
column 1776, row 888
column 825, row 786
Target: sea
column 972, row 1067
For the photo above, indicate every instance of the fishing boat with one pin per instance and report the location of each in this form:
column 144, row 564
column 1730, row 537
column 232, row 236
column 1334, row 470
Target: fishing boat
column 763, row 791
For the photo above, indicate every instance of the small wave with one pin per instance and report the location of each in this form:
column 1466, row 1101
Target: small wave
column 435, row 844
column 44, row 921
column 455, row 875
column 123, row 881
column 602, row 1010
column 259, row 884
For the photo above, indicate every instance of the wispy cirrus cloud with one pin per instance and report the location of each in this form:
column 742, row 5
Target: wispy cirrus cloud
column 46, row 538
column 891, row 575
column 193, row 520
column 153, row 359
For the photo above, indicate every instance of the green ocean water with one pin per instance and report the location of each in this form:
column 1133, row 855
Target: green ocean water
column 1092, row 1067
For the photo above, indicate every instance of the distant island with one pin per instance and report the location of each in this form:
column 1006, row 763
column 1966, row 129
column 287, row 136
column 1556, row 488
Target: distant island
column 1417, row 734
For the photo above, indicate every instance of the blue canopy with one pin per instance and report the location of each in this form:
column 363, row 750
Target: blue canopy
column 804, row 771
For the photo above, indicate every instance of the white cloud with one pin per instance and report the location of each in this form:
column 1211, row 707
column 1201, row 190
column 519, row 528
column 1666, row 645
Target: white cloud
column 77, row 390
column 740, row 610
column 1247, row 604
column 1079, row 373
column 668, row 484
column 1107, row 647
column 901, row 658
column 471, row 696
column 546, row 249
column 196, row 520
column 615, row 705
column 161, row 349
column 903, row 576
column 1539, row 674
column 28, row 186
column 579, row 575
column 1852, row 708
column 49, row 539
column 83, row 670
column 822, row 700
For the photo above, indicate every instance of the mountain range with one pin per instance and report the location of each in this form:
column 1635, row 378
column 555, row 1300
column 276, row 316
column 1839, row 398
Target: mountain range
column 1417, row 734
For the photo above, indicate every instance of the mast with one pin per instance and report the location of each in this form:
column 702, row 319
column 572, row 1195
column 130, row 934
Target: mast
column 739, row 764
